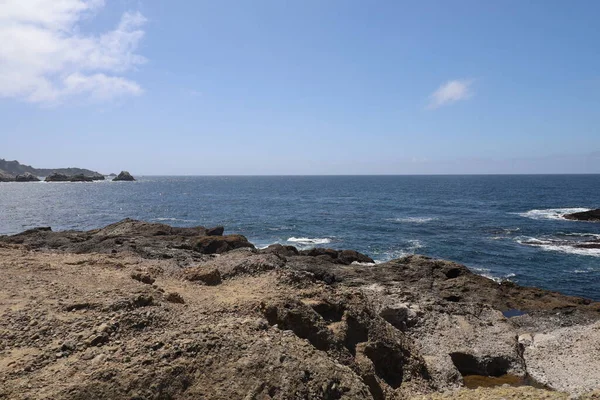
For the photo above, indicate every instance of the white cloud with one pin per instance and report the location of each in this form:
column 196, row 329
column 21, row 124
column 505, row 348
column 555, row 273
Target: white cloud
column 451, row 92
column 44, row 57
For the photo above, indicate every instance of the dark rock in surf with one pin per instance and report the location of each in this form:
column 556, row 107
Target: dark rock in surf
column 27, row 177
column 124, row 176
column 56, row 177
column 591, row 216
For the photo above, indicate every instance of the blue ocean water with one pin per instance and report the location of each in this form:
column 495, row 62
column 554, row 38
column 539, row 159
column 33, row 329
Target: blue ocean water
column 505, row 227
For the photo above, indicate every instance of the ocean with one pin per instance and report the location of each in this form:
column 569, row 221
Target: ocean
column 506, row 227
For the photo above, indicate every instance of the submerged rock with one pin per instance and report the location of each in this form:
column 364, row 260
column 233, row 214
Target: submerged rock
column 124, row 176
column 591, row 215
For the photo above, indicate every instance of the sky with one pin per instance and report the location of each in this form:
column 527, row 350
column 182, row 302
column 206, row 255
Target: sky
column 194, row 87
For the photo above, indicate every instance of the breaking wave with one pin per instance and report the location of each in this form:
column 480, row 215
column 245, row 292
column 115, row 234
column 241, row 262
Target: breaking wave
column 303, row 240
column 551, row 213
column 583, row 248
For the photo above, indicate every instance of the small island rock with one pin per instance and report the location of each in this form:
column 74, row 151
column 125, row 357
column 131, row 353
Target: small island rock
column 56, row 177
column 27, row 177
column 124, row 176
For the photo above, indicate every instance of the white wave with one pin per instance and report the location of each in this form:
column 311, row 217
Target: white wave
column 411, row 249
column 304, row 240
column 173, row 219
column 590, row 235
column 551, row 213
column 364, row 264
column 412, row 220
column 559, row 246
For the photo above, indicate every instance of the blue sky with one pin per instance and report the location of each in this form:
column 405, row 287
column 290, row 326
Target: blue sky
column 302, row 87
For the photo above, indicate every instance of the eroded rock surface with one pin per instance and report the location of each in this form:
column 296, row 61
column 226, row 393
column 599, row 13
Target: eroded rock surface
column 138, row 310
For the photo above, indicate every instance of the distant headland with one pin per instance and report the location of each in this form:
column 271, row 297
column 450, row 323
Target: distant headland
column 14, row 171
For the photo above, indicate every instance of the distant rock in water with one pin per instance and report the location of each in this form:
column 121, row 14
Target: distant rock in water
column 81, row 178
column 56, row 177
column 591, row 215
column 27, row 177
column 124, row 176
column 6, row 177
column 15, row 168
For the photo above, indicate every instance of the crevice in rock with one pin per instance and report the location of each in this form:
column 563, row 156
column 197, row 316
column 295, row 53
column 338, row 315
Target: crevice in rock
column 355, row 333
column 330, row 312
column 388, row 362
column 467, row 364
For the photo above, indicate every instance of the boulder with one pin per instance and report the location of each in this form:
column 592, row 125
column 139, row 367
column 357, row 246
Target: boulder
column 124, row 176
column 221, row 244
column 56, row 177
column 591, row 216
column 27, row 177
column 281, row 250
column 209, row 276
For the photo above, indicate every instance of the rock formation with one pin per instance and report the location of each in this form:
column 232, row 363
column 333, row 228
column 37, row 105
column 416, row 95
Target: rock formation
column 124, row 176
column 27, row 177
column 591, row 215
column 6, row 177
column 140, row 310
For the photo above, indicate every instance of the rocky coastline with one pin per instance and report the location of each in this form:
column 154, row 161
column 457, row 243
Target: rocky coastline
column 139, row 310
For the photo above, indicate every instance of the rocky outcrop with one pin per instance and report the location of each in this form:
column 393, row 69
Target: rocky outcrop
column 27, row 177
column 124, row 176
column 145, row 310
column 6, row 177
column 16, row 168
column 56, row 177
column 591, row 216
column 221, row 244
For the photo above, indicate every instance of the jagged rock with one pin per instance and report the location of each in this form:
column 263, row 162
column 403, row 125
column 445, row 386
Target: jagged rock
column 591, row 216
column 281, row 250
column 221, row 244
column 124, row 176
column 345, row 257
column 27, row 177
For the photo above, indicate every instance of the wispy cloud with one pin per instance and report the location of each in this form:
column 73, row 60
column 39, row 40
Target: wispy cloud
column 45, row 59
column 451, row 92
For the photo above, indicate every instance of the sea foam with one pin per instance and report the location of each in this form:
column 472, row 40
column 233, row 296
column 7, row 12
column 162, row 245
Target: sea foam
column 304, row 240
column 551, row 213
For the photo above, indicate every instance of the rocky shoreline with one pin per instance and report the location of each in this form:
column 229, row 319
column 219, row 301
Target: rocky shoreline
column 140, row 310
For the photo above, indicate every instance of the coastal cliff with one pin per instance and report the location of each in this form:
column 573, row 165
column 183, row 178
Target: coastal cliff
column 149, row 311
column 14, row 168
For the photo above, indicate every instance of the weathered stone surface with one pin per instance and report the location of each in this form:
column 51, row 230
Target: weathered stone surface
column 275, row 323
